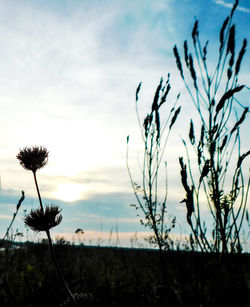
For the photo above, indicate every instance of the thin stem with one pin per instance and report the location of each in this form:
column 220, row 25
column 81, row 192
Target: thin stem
column 51, row 245
column 133, row 185
column 38, row 192
column 14, row 216
column 57, row 265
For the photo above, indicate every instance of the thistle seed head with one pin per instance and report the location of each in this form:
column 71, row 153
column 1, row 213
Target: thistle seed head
column 43, row 220
column 33, row 158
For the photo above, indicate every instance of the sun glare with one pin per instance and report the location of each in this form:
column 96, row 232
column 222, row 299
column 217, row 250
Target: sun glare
column 70, row 191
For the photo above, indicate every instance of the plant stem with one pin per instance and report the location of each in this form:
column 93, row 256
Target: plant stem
column 38, row 192
column 51, row 245
column 57, row 265
column 14, row 216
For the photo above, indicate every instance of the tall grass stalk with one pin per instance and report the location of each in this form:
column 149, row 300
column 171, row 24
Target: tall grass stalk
column 155, row 134
column 151, row 203
column 13, row 218
column 218, row 146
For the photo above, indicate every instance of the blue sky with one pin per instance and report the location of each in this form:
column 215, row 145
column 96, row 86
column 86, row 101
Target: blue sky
column 68, row 75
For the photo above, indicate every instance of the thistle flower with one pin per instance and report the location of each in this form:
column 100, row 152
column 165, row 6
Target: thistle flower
column 43, row 220
column 33, row 158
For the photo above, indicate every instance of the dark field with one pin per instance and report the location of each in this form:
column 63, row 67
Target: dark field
column 122, row 277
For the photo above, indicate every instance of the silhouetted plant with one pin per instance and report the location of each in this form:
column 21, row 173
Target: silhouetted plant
column 34, row 158
column 218, row 150
column 155, row 136
column 13, row 218
column 43, row 220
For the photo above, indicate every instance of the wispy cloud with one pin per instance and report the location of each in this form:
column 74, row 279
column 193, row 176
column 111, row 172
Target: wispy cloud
column 5, row 217
column 230, row 5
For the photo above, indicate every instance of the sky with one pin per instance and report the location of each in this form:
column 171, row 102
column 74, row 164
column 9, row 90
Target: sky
column 69, row 70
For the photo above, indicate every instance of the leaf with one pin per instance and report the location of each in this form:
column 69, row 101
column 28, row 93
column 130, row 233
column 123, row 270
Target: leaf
column 241, row 158
column 157, row 123
column 195, row 32
column 205, row 171
column 164, row 97
column 186, row 53
column 223, row 143
column 189, row 200
column 205, row 52
column 178, row 60
column 147, row 123
column 231, row 44
column 240, row 120
column 199, row 156
column 241, row 54
column 201, row 142
column 127, row 139
column 156, row 97
column 191, row 133
column 191, row 69
column 137, row 91
column 20, row 201
column 183, row 173
column 226, row 96
column 222, row 32
column 175, row 117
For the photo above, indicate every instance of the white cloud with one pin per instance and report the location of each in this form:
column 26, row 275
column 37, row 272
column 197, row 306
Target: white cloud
column 61, row 86
column 230, row 5
column 68, row 80
column 5, row 217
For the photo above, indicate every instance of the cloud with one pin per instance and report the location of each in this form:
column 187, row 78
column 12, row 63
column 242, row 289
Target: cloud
column 68, row 75
column 5, row 217
column 64, row 86
column 230, row 5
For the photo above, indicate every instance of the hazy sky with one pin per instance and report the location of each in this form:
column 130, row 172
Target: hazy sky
column 68, row 75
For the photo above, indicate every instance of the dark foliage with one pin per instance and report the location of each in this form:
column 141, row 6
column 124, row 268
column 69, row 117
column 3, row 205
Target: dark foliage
column 121, row 277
